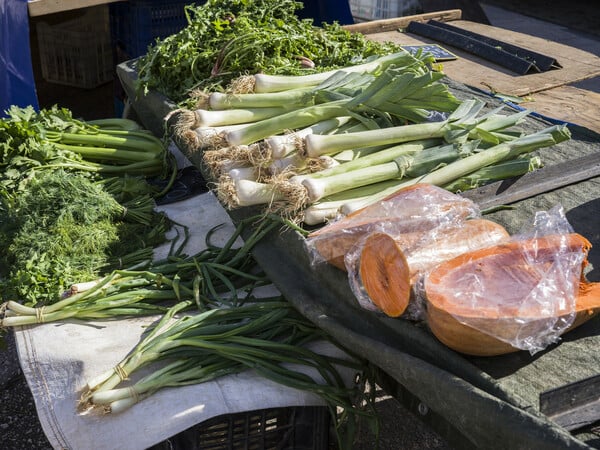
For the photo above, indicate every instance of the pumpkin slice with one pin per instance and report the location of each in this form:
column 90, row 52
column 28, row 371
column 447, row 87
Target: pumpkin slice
column 384, row 274
column 480, row 302
column 389, row 265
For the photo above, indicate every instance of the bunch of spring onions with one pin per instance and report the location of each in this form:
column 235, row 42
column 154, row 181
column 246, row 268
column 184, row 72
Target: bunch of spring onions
column 350, row 138
column 208, row 278
column 268, row 337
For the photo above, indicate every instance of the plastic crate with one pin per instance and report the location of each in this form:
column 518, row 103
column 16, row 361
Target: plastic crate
column 289, row 428
column 365, row 10
column 77, row 52
column 136, row 24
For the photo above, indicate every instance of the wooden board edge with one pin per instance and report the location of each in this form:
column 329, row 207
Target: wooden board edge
column 43, row 7
column 382, row 25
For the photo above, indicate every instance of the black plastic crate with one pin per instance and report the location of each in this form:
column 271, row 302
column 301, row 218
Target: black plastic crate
column 136, row 24
column 289, row 428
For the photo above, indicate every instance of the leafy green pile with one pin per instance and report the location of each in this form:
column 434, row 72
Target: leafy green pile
column 227, row 38
column 61, row 220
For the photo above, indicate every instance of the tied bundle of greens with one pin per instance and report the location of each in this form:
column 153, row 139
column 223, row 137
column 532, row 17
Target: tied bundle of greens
column 212, row 277
column 64, row 228
column 75, row 201
column 227, row 38
column 53, row 138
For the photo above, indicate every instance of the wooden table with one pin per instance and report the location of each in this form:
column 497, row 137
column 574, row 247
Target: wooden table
column 547, row 92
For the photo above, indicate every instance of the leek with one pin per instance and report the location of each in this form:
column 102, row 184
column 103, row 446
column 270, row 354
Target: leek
column 501, row 171
column 461, row 125
column 403, row 165
column 276, row 83
column 493, row 155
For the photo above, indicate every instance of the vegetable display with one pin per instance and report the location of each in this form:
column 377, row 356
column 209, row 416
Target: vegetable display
column 311, row 125
column 211, row 324
column 75, row 201
column 228, row 38
column 353, row 139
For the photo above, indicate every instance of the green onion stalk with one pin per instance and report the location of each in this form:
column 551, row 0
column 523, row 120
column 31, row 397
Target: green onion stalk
column 268, row 337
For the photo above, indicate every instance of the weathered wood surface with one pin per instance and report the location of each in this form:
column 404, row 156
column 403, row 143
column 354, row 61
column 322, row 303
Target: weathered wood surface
column 568, row 103
column 547, row 93
column 475, row 71
column 393, row 24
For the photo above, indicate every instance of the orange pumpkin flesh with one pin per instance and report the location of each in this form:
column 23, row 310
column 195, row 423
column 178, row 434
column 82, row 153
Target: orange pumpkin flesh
column 385, row 274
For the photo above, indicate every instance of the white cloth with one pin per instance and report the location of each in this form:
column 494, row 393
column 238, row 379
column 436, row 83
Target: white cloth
column 58, row 359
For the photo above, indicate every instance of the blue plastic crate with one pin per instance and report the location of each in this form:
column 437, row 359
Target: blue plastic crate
column 136, row 24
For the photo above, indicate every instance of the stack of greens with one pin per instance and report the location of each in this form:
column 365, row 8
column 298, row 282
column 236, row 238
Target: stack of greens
column 227, row 38
column 74, row 200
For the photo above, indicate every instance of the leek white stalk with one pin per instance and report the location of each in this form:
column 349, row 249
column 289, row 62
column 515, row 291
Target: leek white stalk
column 421, row 161
column 276, row 83
column 318, row 188
column 382, row 156
column 320, row 213
column 250, row 193
column 290, row 98
column 317, row 145
column 328, row 208
column 210, row 118
column 461, row 125
column 291, row 120
column 282, row 145
column 244, row 173
column 206, row 137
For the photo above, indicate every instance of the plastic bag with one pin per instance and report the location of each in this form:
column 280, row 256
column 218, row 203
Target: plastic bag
column 383, row 269
column 522, row 293
column 412, row 211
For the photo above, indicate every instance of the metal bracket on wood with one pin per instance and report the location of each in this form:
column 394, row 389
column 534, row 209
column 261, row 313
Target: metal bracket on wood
column 573, row 405
column 517, row 59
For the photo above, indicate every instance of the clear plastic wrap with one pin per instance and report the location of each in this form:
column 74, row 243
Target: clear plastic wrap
column 521, row 294
column 412, row 212
column 383, row 268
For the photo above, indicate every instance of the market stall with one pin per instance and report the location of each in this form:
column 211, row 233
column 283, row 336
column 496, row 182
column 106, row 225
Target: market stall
column 473, row 401
column 465, row 397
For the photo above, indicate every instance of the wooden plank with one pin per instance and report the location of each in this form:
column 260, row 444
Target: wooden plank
column 393, row 24
column 44, row 7
column 568, row 103
column 475, row 71
column 534, row 183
